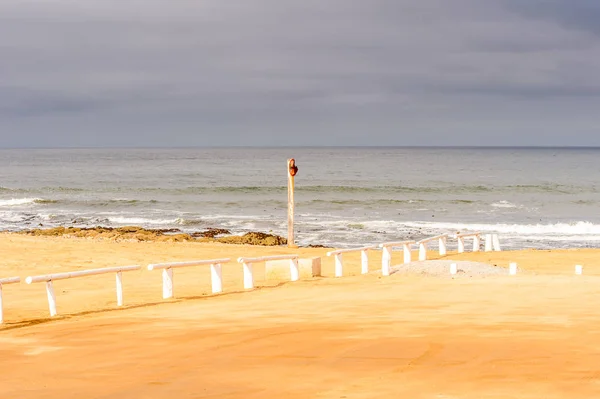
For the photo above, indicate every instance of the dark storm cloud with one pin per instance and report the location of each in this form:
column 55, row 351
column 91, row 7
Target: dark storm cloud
column 25, row 102
column 399, row 72
column 574, row 14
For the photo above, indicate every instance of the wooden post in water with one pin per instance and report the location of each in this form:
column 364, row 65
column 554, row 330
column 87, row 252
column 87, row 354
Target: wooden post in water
column 292, row 170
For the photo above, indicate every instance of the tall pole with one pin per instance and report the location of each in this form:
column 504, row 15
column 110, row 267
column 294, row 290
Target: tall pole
column 292, row 170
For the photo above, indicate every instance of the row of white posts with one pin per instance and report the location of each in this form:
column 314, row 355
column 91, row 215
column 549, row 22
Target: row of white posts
column 216, row 274
column 339, row 265
column 167, row 276
column 249, row 276
column 386, row 258
column 387, row 253
column 492, row 242
column 216, row 271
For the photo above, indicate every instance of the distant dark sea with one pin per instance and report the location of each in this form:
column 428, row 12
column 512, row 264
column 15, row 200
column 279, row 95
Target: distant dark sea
column 532, row 197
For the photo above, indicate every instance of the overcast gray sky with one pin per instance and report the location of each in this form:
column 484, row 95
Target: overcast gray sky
column 299, row 72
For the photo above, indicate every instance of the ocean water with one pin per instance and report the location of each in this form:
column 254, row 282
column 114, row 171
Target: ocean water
column 532, row 197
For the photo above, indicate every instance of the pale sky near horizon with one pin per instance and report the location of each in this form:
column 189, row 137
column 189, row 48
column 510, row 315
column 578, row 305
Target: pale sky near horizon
column 180, row 73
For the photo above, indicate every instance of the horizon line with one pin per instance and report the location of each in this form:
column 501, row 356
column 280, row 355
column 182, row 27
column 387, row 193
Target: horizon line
column 306, row 147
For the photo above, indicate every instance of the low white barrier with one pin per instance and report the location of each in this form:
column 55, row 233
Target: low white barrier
column 496, row 242
column 492, row 243
column 6, row 280
column 386, row 256
column 167, row 273
column 48, row 278
column 512, row 269
column 461, row 241
column 453, row 268
column 249, row 276
column 364, row 256
column 423, row 245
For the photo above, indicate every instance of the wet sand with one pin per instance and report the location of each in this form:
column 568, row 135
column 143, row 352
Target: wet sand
column 534, row 335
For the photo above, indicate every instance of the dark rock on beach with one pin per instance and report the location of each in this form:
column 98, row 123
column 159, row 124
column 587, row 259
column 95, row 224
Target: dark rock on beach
column 210, row 233
column 136, row 233
column 251, row 238
column 133, row 233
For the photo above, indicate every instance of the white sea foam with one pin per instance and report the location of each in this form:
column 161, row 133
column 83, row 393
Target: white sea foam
column 236, row 217
column 573, row 229
column 562, row 238
column 188, row 222
column 505, row 204
column 19, row 201
column 140, row 221
column 341, row 233
column 344, row 223
column 11, row 217
column 47, row 216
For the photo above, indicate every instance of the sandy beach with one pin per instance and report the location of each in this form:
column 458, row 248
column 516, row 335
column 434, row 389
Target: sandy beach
column 154, row 153
column 361, row 336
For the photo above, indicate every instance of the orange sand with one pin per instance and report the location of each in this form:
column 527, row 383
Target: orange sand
column 535, row 335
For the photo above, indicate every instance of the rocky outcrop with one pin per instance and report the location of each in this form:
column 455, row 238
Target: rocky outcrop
column 136, row 233
column 252, row 238
column 210, row 233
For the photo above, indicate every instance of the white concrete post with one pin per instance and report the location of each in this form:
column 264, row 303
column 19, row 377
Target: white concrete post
column 476, row 243
column 216, row 278
column 578, row 270
column 488, row 242
column 338, row 265
column 461, row 245
column 495, row 242
column 422, row 251
column 248, row 276
column 364, row 261
column 407, row 253
column 51, row 298
column 512, row 269
column 167, row 275
column 453, row 268
column 1, row 306
column 294, row 270
column 119, row 279
column 385, row 257
column 386, row 261
column 442, row 246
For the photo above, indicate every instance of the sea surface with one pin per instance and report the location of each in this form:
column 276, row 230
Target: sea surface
column 531, row 197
